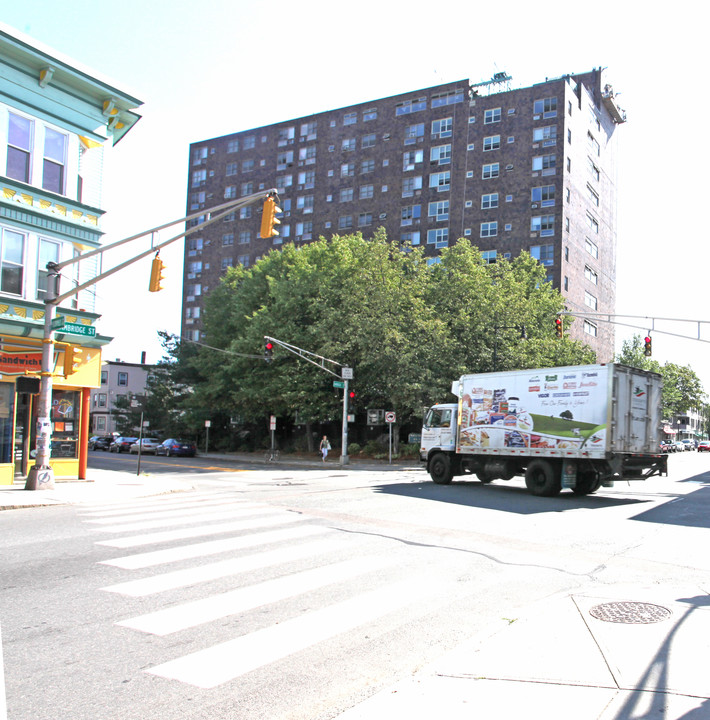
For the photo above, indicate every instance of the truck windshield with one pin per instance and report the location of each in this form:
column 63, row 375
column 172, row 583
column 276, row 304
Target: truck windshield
column 438, row 417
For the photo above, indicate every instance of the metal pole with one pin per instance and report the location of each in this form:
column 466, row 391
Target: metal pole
column 344, row 459
column 390, row 424
column 140, row 445
column 41, row 474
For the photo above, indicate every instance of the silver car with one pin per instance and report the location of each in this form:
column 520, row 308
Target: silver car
column 146, row 445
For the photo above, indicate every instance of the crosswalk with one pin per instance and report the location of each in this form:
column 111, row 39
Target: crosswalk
column 207, row 560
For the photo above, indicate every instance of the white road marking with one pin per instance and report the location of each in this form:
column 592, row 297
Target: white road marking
column 223, row 568
column 224, row 662
column 201, row 531
column 213, row 547
column 199, row 612
column 134, row 514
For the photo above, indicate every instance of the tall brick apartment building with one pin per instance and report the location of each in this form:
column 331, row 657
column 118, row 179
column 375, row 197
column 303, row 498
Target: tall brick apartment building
column 528, row 169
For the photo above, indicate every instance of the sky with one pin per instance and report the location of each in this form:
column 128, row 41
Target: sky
column 220, row 66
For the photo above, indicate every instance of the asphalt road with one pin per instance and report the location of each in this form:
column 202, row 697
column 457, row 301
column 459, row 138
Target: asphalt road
column 289, row 593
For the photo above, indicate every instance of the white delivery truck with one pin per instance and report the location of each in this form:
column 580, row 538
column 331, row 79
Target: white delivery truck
column 575, row 427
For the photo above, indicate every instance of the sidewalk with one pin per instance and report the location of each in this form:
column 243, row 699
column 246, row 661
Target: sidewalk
column 108, row 485
column 558, row 661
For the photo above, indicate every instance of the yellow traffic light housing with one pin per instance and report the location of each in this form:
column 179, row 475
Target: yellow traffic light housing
column 72, row 360
column 269, row 219
column 156, row 275
column 559, row 327
column 647, row 349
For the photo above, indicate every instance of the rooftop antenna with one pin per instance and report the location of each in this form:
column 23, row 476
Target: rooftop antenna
column 500, row 82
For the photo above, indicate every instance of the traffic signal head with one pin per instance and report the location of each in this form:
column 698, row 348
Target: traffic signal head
column 72, row 360
column 559, row 327
column 268, row 351
column 156, row 275
column 647, row 350
column 268, row 218
column 351, row 399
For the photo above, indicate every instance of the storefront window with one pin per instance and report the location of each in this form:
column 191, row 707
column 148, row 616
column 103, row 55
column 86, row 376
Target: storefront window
column 65, row 423
column 7, row 410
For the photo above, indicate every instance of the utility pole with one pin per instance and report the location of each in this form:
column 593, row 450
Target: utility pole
column 346, row 373
column 41, row 474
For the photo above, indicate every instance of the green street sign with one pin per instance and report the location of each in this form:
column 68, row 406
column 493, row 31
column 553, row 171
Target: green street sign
column 58, row 322
column 338, row 383
column 77, row 329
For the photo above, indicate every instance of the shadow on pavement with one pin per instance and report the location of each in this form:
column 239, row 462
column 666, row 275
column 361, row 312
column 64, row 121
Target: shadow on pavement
column 509, row 499
column 691, row 510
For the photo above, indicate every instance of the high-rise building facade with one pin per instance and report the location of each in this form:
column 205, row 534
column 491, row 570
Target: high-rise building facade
column 511, row 170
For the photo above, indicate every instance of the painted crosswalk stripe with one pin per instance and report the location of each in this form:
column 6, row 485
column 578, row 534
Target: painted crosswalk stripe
column 214, row 547
column 224, row 662
column 174, row 498
column 190, row 519
column 215, row 607
column 201, row 531
column 224, row 568
column 134, row 514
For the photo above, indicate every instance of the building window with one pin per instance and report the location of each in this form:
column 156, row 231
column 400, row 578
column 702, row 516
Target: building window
column 347, row 170
column 545, row 108
column 284, row 160
column 12, row 262
column 447, row 98
column 413, row 237
column 226, row 263
column 439, row 237
column 440, row 154
column 590, row 275
column 367, row 166
column 591, row 248
column 489, row 201
column 233, row 146
column 55, row 150
column 227, row 239
column 543, row 196
column 590, row 328
column 307, row 179
column 349, row 144
column 305, row 203
column 411, row 159
column 244, row 237
column 346, row 195
column 350, row 118
column 544, row 163
column 370, row 114
column 593, row 224
column 545, row 135
column 410, row 185
column 364, row 219
column 544, row 254
column 410, row 106
column 199, row 178
column 593, row 169
column 367, row 192
column 544, row 224
column 410, row 214
column 413, row 132
column 491, row 170
column 489, row 229
column 369, row 141
column 492, row 142
column 19, row 148
column 249, row 142
column 441, row 181
column 122, row 379
column 345, row 222
column 48, row 252
column 589, row 300
column 243, row 260
column 439, row 210
column 489, row 256
column 491, row 116
column 230, row 192
column 593, row 196
column 442, row 128
column 247, row 188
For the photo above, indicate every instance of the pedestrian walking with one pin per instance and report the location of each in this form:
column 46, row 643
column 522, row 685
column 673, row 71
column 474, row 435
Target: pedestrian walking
column 324, row 447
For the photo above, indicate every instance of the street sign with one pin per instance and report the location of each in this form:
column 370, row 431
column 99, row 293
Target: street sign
column 58, row 322
column 346, row 373
column 338, row 384
column 390, row 417
column 272, row 422
column 77, row 329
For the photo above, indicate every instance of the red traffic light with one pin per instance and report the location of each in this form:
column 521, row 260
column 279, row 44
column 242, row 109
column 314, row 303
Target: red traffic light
column 647, row 350
column 351, row 394
column 268, row 351
column 269, row 346
column 559, row 327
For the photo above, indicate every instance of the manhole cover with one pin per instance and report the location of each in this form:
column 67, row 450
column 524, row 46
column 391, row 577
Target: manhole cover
column 630, row 612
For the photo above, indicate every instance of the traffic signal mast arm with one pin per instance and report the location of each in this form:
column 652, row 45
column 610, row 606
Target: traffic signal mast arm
column 648, row 329
column 306, row 355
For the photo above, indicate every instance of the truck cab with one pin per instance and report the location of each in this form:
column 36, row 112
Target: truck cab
column 439, row 430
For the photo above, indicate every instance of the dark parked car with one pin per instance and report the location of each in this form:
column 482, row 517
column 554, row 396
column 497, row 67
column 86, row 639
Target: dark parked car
column 122, row 444
column 173, row 446
column 100, row 442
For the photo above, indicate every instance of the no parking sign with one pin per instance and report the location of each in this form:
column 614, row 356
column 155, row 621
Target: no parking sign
column 390, row 417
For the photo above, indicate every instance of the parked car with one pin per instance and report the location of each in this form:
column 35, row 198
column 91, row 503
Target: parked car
column 704, row 446
column 146, row 445
column 100, row 442
column 688, row 444
column 122, row 444
column 667, row 446
column 173, row 446
column 679, row 446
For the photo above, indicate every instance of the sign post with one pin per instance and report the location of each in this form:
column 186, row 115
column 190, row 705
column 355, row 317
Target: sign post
column 390, row 418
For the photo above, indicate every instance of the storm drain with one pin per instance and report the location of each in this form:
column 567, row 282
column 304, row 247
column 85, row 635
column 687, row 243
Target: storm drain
column 632, row 613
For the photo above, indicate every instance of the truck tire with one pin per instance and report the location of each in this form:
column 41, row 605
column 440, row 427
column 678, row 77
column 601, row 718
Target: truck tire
column 440, row 468
column 484, row 477
column 542, row 478
column 586, row 484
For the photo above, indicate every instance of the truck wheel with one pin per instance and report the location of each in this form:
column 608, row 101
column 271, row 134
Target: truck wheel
column 542, row 478
column 586, row 484
column 484, row 477
column 440, row 469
